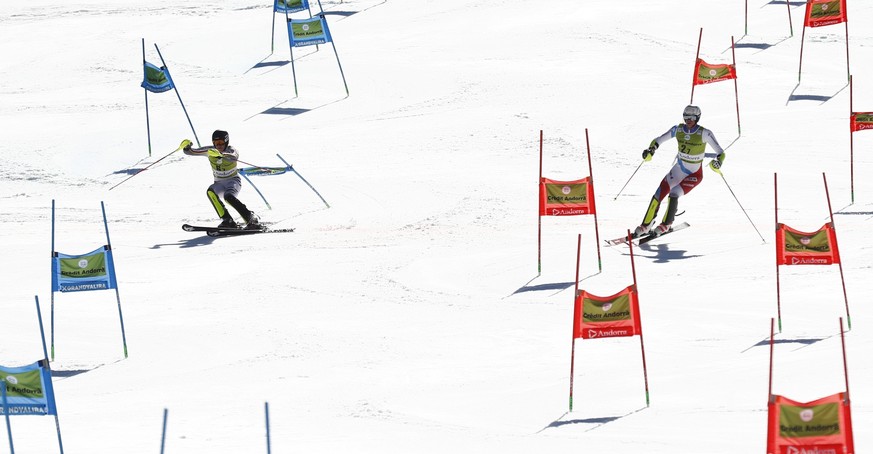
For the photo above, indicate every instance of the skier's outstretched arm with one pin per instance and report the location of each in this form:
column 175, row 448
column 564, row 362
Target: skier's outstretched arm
column 211, row 151
column 657, row 141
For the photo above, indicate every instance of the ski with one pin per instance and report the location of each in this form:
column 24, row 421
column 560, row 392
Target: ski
column 646, row 238
column 615, row 241
column 215, row 231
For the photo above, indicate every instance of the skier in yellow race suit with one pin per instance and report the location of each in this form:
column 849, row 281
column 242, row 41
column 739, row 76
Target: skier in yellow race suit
column 686, row 173
column 223, row 159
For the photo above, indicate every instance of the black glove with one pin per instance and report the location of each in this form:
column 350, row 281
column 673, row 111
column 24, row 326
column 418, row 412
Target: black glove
column 648, row 153
column 716, row 163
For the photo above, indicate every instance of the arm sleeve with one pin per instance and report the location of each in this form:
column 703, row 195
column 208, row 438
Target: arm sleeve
column 201, row 151
column 709, row 138
column 665, row 136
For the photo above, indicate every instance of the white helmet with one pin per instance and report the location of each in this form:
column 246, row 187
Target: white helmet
column 691, row 113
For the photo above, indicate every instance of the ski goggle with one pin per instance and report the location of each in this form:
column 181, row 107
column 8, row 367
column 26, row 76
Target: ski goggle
column 218, row 141
column 690, row 117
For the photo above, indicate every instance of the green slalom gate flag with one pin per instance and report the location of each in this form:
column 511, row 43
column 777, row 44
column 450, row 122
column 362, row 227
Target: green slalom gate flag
column 794, row 247
column 290, row 6
column 264, row 171
column 308, row 32
column 311, row 32
column 156, row 80
column 607, row 316
column 28, row 390
column 861, row 121
column 818, row 427
column 94, row 270
column 566, row 198
column 820, row 13
column 707, row 73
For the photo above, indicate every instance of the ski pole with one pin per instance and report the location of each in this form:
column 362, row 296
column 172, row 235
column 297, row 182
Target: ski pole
column 182, row 145
column 718, row 171
column 628, row 180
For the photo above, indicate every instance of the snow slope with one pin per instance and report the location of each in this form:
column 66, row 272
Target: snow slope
column 410, row 315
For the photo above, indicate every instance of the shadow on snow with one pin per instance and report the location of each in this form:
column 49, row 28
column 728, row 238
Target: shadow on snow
column 811, row 97
column 598, row 422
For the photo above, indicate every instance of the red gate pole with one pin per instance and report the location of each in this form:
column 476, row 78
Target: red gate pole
column 593, row 204
column 642, row 346
column 573, row 335
column 848, row 71
column 696, row 57
column 770, row 387
column 851, row 145
column 840, row 263
column 539, row 216
column 778, row 295
column 800, row 64
column 736, row 90
column 845, row 364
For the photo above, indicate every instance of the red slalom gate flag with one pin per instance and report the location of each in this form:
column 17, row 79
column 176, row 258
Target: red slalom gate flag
column 820, row 13
column 705, row 73
column 566, row 198
column 822, row 426
column 861, row 121
column 794, row 247
column 610, row 316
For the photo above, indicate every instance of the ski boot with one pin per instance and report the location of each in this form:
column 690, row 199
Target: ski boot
column 253, row 223
column 227, row 223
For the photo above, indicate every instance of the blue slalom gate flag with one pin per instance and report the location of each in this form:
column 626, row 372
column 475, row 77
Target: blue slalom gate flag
column 308, row 32
column 156, row 80
column 94, row 270
column 290, row 6
column 28, row 390
column 263, row 171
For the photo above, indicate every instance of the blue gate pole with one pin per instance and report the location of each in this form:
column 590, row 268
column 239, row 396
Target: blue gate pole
column 117, row 296
column 338, row 64
column 291, row 168
column 291, row 49
column 256, row 189
column 164, row 431
column 273, row 30
column 53, row 278
column 164, row 64
column 47, row 365
column 148, row 127
column 6, row 412
column 267, row 415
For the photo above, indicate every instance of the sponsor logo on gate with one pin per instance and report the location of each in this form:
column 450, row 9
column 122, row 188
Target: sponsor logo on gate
column 608, row 332
column 812, row 449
